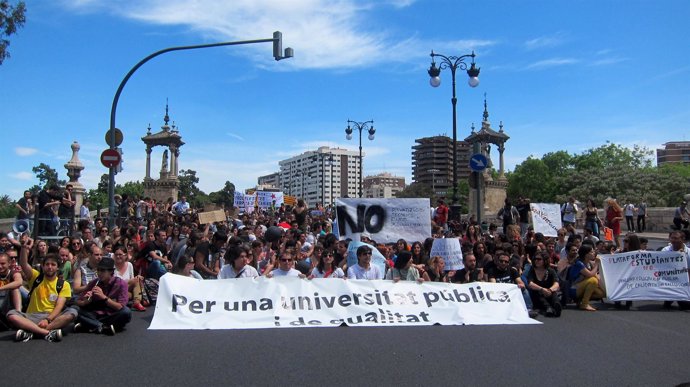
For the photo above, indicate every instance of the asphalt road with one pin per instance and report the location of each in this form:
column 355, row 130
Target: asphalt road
column 646, row 346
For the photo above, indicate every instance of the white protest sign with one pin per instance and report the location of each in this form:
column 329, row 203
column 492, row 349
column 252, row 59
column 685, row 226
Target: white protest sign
column 377, row 259
column 646, row 275
column 386, row 220
column 245, row 303
column 249, row 201
column 546, row 218
column 239, row 200
column 266, row 198
column 449, row 249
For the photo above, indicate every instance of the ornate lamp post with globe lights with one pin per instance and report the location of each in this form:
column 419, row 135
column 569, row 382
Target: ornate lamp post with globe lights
column 360, row 126
column 453, row 63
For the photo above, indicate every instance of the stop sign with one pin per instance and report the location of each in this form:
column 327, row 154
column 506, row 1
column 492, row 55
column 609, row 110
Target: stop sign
column 110, row 158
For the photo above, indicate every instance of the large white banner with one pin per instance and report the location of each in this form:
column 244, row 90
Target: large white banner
column 249, row 202
column 451, row 252
column 187, row 303
column 386, row 220
column 646, row 275
column 546, row 218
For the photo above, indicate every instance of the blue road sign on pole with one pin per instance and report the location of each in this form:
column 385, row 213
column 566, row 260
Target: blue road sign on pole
column 478, row 162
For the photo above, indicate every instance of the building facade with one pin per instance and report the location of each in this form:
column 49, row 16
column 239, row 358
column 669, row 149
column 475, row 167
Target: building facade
column 432, row 162
column 269, row 181
column 321, row 176
column 674, row 152
column 383, row 185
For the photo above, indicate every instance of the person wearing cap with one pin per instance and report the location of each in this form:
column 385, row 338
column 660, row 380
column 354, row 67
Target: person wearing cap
column 46, row 313
column 103, row 305
column 364, row 269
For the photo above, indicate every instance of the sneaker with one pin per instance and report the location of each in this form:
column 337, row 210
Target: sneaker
column 137, row 306
column 532, row 313
column 23, row 336
column 557, row 309
column 54, row 336
column 79, row 328
column 106, row 330
column 550, row 312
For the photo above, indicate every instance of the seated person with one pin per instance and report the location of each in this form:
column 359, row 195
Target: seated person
column 543, row 286
column 584, row 275
column 364, row 269
column 236, row 264
column 470, row 273
column 103, row 304
column 286, row 264
column 46, row 313
column 404, row 269
column 10, row 282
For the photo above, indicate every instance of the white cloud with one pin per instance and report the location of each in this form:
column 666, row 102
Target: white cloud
column 23, row 151
column 553, row 62
column 235, row 136
column 544, row 42
column 324, row 34
column 22, row 175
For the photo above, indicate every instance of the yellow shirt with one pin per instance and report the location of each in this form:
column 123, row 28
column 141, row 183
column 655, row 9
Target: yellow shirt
column 44, row 297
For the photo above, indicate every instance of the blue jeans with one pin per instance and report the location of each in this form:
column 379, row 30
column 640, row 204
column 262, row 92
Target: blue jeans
column 594, row 226
column 155, row 269
column 92, row 321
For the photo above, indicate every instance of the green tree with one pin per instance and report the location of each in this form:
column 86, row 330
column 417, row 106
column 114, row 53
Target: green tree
column 7, row 208
column 532, row 179
column 11, row 18
column 130, row 188
column 188, row 188
column 225, row 197
column 99, row 196
column 46, row 176
column 416, row 190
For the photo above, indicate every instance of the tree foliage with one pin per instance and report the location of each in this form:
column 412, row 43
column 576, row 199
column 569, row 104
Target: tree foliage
column 416, row 190
column 225, row 197
column 46, row 176
column 11, row 18
column 188, row 188
column 610, row 170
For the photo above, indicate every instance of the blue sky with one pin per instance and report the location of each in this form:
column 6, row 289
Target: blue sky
column 561, row 75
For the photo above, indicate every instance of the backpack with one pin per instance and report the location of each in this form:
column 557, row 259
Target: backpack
column 507, row 215
column 58, row 287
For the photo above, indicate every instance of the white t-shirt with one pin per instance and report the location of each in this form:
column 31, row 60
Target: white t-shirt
column 228, row 271
column 282, row 273
column 629, row 210
column 337, row 273
column 358, row 272
column 128, row 274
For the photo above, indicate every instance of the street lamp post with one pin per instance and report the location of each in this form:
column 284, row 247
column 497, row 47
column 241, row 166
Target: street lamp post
column 278, row 54
column 453, row 63
column 360, row 126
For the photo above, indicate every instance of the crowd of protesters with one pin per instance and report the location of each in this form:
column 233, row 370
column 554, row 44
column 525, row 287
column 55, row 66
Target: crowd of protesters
column 97, row 277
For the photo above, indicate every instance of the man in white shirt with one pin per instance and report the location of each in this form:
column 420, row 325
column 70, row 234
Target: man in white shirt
column 677, row 239
column 285, row 267
column 181, row 208
column 364, row 269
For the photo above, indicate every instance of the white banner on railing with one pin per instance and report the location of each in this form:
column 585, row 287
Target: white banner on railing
column 646, row 275
column 187, row 303
column 386, row 220
column 546, row 218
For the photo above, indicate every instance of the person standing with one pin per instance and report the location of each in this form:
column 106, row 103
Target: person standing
column 642, row 216
column 614, row 215
column 441, row 215
column 569, row 211
column 47, row 198
column 680, row 216
column 508, row 214
column 523, row 208
column 629, row 211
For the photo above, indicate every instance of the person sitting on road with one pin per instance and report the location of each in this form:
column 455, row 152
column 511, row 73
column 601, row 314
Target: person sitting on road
column 404, row 270
column 436, row 269
column 677, row 243
column 470, row 273
column 364, row 269
column 236, row 264
column 103, row 304
column 543, row 286
column 286, row 263
column 326, row 267
column 185, row 265
column 504, row 273
column 46, row 313
column 86, row 272
column 125, row 270
column 10, row 282
column 584, row 275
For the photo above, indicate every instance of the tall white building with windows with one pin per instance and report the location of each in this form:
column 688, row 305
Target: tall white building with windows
column 321, row 176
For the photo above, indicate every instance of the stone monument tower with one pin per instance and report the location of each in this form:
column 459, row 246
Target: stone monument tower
column 74, row 168
column 168, row 183
column 493, row 191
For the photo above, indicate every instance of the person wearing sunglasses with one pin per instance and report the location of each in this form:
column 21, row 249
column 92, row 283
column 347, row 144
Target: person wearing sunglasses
column 364, row 269
column 326, row 268
column 286, row 266
column 103, row 304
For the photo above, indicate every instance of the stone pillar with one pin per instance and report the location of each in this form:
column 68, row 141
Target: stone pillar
column 173, row 160
column 177, row 157
column 74, row 168
column 148, row 163
column 501, row 171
